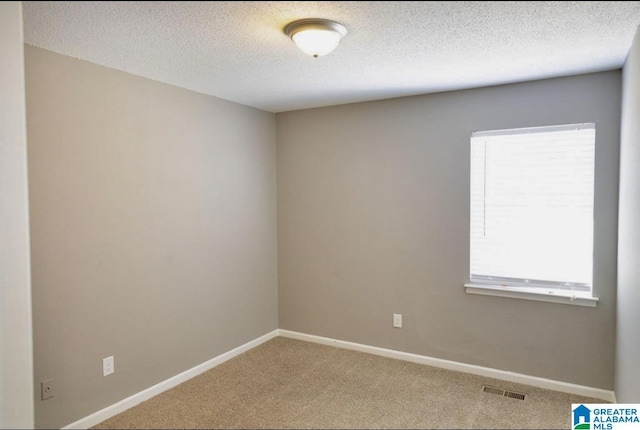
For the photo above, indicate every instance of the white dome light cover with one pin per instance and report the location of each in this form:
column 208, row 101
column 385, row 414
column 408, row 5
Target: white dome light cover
column 315, row 36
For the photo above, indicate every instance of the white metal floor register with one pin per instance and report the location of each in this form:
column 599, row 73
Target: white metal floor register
column 605, row 416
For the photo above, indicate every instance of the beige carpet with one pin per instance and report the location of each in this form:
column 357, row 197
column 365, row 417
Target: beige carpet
column 286, row 383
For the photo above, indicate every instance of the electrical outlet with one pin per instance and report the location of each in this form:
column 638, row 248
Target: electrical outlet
column 46, row 389
column 397, row 320
column 108, row 366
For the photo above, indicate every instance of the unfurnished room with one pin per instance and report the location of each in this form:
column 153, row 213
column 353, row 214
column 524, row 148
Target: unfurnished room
column 320, row 214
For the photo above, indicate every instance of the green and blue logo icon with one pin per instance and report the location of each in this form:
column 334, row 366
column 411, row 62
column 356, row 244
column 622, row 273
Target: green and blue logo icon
column 582, row 418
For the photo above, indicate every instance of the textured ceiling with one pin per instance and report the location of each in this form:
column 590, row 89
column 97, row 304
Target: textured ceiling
column 237, row 50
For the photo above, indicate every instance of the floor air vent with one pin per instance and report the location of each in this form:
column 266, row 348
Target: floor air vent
column 513, row 395
column 492, row 390
column 499, row 392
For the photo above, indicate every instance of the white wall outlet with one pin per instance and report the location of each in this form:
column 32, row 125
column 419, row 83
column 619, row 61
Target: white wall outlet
column 397, row 320
column 46, row 389
column 108, row 366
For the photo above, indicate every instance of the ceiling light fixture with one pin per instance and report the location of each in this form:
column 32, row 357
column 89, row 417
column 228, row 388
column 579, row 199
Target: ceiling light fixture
column 316, row 36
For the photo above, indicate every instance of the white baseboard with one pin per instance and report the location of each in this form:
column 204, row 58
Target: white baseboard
column 503, row 375
column 534, row 381
column 140, row 397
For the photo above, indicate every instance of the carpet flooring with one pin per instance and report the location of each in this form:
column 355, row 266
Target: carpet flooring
column 287, row 383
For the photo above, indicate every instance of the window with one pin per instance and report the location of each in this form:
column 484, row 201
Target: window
column 532, row 212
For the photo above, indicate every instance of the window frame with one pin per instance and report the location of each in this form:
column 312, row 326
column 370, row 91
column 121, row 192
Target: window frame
column 547, row 292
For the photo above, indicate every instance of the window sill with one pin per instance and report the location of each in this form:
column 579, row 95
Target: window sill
column 527, row 294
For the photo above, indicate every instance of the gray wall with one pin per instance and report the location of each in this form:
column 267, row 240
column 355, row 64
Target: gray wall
column 628, row 333
column 373, row 219
column 16, row 351
column 153, row 220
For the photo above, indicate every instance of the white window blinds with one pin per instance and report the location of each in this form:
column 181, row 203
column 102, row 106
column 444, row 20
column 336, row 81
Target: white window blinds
column 532, row 207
